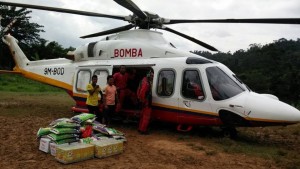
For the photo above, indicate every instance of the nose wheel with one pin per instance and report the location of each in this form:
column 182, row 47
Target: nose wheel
column 229, row 132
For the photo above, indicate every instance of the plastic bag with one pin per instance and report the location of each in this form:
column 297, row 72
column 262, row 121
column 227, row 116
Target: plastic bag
column 43, row 131
column 64, row 124
column 69, row 140
column 56, row 137
column 60, row 120
column 83, row 117
column 64, row 131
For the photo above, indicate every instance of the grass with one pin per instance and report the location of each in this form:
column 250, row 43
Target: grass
column 16, row 103
column 279, row 144
column 246, row 147
column 17, row 83
column 18, row 93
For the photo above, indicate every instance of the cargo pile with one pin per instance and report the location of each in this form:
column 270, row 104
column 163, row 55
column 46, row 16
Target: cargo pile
column 80, row 138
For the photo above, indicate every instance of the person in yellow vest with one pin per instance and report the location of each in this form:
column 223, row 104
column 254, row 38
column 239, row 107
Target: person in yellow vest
column 92, row 100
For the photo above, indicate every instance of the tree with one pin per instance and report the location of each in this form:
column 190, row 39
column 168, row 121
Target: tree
column 51, row 50
column 26, row 32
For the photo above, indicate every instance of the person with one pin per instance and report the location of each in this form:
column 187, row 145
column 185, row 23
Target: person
column 87, row 130
column 198, row 93
column 93, row 97
column 144, row 95
column 133, row 80
column 120, row 80
column 109, row 101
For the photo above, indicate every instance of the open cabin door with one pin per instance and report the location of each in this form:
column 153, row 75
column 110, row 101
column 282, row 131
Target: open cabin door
column 128, row 101
column 83, row 76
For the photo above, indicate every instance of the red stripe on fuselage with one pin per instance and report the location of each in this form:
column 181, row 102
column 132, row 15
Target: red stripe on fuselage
column 184, row 117
column 168, row 115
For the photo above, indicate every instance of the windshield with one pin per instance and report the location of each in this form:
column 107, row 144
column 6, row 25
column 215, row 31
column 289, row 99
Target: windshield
column 239, row 80
column 221, row 85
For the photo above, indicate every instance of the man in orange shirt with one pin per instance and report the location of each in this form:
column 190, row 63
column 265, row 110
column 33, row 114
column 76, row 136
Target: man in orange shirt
column 145, row 97
column 110, row 100
column 120, row 80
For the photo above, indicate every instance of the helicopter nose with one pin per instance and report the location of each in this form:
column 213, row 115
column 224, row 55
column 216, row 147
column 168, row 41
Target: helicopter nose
column 267, row 108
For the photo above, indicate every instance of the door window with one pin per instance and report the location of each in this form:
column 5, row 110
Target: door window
column 191, row 86
column 83, row 79
column 166, row 81
column 102, row 77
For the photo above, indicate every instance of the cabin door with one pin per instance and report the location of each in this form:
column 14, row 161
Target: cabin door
column 193, row 105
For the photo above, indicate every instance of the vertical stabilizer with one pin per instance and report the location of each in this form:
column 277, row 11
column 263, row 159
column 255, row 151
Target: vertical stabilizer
column 18, row 55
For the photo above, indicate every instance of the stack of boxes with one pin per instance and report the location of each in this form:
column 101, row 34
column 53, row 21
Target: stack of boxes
column 80, row 150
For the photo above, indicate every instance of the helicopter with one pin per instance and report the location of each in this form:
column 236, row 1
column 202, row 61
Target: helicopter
column 224, row 100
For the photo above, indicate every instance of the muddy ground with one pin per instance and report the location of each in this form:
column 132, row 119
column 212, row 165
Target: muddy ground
column 21, row 115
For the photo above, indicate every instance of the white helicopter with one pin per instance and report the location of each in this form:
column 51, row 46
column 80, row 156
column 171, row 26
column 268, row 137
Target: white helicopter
column 188, row 90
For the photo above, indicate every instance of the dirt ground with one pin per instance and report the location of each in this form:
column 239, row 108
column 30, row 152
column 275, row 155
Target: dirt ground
column 21, row 116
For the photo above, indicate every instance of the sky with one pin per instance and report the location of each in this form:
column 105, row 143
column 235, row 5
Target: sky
column 67, row 28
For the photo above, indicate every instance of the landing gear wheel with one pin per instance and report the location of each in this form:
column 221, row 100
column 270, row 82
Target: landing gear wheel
column 229, row 132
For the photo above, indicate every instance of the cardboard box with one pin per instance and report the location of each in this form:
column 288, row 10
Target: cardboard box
column 53, row 148
column 107, row 147
column 70, row 153
column 44, row 145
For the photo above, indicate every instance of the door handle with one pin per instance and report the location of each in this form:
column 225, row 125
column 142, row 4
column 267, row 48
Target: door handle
column 187, row 103
column 232, row 105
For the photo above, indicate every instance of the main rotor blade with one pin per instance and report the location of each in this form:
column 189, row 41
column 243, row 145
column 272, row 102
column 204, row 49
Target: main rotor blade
column 115, row 30
column 207, row 46
column 9, row 26
column 254, row 20
column 46, row 8
column 128, row 4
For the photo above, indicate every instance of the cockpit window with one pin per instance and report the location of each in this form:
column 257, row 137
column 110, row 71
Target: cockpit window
column 221, row 85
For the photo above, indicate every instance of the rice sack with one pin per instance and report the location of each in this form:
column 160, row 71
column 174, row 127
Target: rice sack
column 64, row 131
column 83, row 117
column 43, row 131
